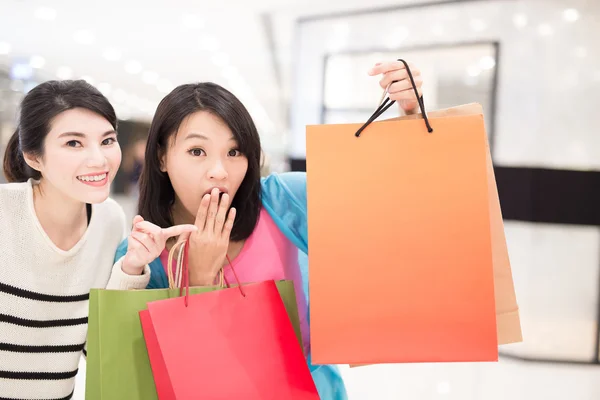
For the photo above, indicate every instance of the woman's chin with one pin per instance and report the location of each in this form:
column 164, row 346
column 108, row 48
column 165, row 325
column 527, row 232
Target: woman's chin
column 92, row 194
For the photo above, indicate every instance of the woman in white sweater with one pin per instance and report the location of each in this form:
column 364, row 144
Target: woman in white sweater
column 58, row 234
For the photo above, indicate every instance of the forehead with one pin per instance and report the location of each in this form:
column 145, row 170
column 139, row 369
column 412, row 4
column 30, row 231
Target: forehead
column 205, row 123
column 79, row 120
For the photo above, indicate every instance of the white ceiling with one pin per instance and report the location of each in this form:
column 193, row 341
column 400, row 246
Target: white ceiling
column 165, row 43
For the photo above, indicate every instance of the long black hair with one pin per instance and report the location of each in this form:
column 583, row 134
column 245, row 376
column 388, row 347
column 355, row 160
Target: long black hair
column 156, row 191
column 39, row 107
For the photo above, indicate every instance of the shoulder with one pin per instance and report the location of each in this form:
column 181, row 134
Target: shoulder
column 288, row 184
column 284, row 198
column 107, row 226
column 112, row 216
column 111, row 209
column 292, row 179
column 14, row 197
column 14, row 190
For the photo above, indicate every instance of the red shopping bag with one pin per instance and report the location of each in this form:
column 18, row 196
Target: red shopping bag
column 234, row 343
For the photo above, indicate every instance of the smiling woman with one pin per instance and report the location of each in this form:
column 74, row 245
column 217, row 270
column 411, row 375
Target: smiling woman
column 58, row 235
column 80, row 148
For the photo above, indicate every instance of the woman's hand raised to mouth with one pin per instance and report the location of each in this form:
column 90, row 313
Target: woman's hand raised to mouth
column 209, row 243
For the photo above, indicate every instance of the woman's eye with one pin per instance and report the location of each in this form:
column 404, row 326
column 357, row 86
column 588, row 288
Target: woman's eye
column 109, row 141
column 196, row 152
column 73, row 143
column 234, row 153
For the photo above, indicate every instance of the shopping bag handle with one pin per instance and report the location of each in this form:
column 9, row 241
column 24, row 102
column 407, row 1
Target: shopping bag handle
column 234, row 275
column 383, row 107
column 175, row 277
column 186, row 275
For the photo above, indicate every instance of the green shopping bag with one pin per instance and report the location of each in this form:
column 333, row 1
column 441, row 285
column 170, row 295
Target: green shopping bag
column 117, row 360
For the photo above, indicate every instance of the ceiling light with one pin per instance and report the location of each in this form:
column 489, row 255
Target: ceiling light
column 64, row 73
column 88, row 79
column 478, row 25
column 133, row 67
column 545, row 29
column 37, row 62
column 45, row 13
column 571, row 15
column 150, row 77
column 520, row 20
column 474, row 71
column 4, row 48
column 21, row 70
column 487, row 62
column 84, row 37
column 112, row 54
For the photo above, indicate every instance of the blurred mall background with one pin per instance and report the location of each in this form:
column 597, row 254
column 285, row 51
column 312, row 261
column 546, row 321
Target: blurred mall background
column 532, row 64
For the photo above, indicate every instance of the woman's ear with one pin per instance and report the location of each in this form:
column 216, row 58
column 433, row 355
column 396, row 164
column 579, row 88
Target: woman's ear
column 33, row 162
column 162, row 159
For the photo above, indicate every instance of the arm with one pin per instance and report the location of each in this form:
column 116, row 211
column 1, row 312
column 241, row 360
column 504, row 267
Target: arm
column 410, row 111
column 284, row 197
column 123, row 281
column 118, row 278
column 158, row 277
column 141, row 248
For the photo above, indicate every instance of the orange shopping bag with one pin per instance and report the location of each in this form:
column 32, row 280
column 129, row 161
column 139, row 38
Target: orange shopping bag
column 401, row 259
column 508, row 321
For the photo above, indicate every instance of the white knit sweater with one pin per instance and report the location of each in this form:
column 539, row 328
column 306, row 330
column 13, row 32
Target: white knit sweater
column 44, row 294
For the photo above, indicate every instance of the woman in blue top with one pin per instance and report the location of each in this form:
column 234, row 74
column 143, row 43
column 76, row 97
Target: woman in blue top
column 202, row 166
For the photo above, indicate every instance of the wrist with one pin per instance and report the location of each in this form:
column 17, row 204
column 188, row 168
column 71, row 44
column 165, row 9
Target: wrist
column 201, row 279
column 131, row 269
column 411, row 111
